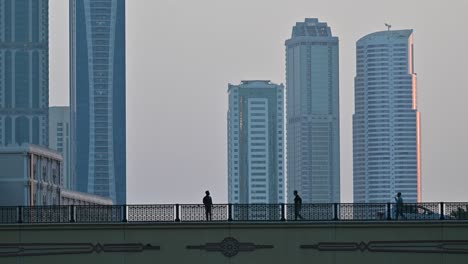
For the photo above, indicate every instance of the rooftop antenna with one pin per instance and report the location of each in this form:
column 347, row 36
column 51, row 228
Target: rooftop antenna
column 388, row 26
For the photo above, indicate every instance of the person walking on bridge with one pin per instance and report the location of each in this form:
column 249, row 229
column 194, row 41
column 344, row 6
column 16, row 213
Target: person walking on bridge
column 297, row 206
column 399, row 206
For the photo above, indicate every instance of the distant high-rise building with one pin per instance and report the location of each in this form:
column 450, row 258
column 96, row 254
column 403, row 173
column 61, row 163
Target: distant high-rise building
column 97, row 97
column 256, row 143
column 24, row 72
column 313, row 120
column 386, row 122
column 59, row 139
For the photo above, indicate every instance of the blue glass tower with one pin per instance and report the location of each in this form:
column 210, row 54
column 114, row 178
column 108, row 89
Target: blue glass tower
column 24, row 72
column 313, row 113
column 97, row 97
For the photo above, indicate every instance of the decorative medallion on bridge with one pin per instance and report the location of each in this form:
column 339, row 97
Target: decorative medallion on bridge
column 402, row 246
column 230, row 247
column 45, row 249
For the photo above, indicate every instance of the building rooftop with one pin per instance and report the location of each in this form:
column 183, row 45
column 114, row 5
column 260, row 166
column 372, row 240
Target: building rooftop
column 31, row 148
column 311, row 27
column 255, row 84
column 386, row 35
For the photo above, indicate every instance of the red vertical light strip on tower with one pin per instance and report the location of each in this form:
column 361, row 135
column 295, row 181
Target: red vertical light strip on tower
column 418, row 151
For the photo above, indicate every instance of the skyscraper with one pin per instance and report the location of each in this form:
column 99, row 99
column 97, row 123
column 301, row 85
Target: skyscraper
column 386, row 122
column 24, row 72
column 97, row 97
column 313, row 120
column 59, row 139
column 256, row 143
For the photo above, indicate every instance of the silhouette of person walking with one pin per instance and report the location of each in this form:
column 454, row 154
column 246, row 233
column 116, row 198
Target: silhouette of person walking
column 208, row 205
column 297, row 206
column 399, row 206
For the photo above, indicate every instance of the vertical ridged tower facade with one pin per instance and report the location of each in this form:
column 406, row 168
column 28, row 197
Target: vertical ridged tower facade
column 97, row 97
column 24, row 72
column 386, row 122
column 256, row 143
column 313, row 120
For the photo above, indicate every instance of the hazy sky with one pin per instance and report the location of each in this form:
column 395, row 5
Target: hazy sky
column 182, row 54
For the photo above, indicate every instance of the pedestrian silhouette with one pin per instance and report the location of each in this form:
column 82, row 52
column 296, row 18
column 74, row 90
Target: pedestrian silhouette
column 399, row 206
column 297, row 206
column 208, row 202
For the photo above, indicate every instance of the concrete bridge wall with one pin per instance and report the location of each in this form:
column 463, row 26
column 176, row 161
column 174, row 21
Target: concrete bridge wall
column 288, row 242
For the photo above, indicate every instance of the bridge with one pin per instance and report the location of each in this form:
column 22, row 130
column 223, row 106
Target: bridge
column 255, row 233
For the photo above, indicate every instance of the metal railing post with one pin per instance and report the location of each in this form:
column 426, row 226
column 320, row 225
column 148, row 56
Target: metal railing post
column 283, row 212
column 441, row 210
column 389, row 211
column 20, row 214
column 229, row 212
column 72, row 214
column 124, row 213
column 335, row 212
column 177, row 219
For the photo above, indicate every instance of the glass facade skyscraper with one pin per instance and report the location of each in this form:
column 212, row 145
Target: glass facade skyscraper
column 256, row 143
column 97, row 97
column 24, row 72
column 386, row 122
column 313, row 120
column 59, row 139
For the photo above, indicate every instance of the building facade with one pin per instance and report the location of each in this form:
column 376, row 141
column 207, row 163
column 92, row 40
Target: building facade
column 30, row 176
column 256, row 143
column 97, row 97
column 386, row 122
column 313, row 120
column 59, row 139
column 24, row 72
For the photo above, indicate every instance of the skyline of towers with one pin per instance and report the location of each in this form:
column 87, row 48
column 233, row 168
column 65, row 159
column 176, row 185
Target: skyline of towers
column 313, row 122
column 256, row 142
column 98, row 110
column 386, row 122
column 24, row 72
column 97, row 97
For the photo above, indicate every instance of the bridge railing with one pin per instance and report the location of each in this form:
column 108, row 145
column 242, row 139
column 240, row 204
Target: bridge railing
column 446, row 211
column 8, row 214
column 256, row 212
column 362, row 211
column 99, row 213
column 312, row 212
column 151, row 213
column 197, row 212
column 45, row 214
column 455, row 211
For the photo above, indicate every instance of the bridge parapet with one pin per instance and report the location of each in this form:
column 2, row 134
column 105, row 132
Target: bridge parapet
column 446, row 211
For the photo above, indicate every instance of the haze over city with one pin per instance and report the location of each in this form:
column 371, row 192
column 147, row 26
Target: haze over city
column 181, row 55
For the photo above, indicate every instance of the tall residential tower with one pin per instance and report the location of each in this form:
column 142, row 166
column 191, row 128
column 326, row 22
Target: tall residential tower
column 59, row 139
column 386, row 122
column 313, row 120
column 97, row 97
column 256, row 143
column 24, row 72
